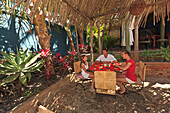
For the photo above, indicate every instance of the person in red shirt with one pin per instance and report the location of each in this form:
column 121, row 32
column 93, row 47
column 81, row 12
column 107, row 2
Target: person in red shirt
column 130, row 76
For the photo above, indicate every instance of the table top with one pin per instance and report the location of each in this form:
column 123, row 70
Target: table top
column 105, row 67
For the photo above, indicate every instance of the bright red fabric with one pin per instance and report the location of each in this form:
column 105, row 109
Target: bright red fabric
column 101, row 67
column 131, row 71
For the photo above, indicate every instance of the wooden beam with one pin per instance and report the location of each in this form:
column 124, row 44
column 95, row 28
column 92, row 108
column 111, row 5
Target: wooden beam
column 77, row 10
column 110, row 13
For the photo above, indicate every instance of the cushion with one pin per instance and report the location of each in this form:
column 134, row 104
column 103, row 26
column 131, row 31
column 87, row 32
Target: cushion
column 79, row 76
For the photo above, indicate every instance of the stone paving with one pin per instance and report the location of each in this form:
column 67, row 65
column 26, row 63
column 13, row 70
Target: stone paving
column 154, row 98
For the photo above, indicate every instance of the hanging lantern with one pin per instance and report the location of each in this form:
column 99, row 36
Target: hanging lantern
column 137, row 7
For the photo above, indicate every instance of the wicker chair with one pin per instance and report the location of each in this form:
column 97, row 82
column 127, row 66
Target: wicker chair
column 139, row 85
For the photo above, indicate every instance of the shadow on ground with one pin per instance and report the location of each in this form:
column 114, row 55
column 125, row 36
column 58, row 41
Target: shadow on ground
column 155, row 97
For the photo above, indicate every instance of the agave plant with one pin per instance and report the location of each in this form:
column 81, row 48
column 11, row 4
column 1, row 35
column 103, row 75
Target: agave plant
column 19, row 66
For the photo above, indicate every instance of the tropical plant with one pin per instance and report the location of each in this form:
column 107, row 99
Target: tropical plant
column 111, row 42
column 164, row 53
column 63, row 64
column 18, row 67
column 148, row 54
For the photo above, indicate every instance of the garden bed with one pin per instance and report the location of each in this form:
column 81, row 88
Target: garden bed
column 38, row 83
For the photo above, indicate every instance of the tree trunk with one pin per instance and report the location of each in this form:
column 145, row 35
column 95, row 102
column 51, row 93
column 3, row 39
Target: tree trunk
column 99, row 40
column 78, row 52
column 70, row 37
column 162, row 31
column 91, row 41
column 80, row 31
column 44, row 41
column 136, row 48
column 108, row 33
column 103, row 36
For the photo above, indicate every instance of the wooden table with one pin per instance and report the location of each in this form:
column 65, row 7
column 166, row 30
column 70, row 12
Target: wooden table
column 105, row 78
column 154, row 37
column 168, row 37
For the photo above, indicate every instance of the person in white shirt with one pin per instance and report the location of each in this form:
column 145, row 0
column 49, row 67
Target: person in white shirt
column 105, row 57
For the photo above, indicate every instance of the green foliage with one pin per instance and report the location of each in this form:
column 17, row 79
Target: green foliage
column 95, row 36
column 147, row 54
column 111, row 41
column 165, row 53
column 19, row 66
column 119, row 57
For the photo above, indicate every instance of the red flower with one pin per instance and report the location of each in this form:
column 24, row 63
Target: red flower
column 81, row 45
column 73, row 52
column 1, row 62
column 62, row 59
column 71, row 57
column 58, row 55
column 44, row 53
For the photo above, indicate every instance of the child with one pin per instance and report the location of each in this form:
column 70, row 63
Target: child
column 86, row 74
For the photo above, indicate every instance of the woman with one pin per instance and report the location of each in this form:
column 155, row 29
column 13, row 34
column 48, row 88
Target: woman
column 84, row 72
column 130, row 76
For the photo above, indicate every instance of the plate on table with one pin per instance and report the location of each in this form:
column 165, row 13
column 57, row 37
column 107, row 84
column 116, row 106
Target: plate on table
column 117, row 64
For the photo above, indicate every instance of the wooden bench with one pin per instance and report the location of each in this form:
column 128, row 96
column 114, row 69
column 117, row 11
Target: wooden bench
column 139, row 85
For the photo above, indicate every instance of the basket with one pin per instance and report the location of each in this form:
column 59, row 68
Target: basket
column 137, row 7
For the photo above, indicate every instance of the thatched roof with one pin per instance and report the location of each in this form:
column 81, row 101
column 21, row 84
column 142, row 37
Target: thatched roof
column 82, row 12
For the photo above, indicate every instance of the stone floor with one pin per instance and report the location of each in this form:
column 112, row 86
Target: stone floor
column 154, row 98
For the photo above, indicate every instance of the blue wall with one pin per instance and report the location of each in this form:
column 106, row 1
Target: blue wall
column 10, row 38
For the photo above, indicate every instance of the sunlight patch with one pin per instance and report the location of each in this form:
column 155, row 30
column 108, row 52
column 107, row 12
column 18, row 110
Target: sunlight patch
column 146, row 84
column 164, row 86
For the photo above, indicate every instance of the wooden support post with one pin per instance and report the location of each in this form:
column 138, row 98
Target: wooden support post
column 127, row 37
column 81, row 36
column 162, row 31
column 99, row 40
column 78, row 52
column 91, row 41
column 136, row 45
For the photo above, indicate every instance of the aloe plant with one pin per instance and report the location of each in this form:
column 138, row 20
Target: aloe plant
column 19, row 66
column 165, row 53
column 147, row 54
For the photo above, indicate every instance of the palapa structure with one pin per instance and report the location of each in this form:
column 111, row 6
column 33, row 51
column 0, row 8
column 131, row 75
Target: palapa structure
column 94, row 12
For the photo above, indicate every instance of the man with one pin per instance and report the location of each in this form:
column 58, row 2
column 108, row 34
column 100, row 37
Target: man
column 130, row 76
column 106, row 58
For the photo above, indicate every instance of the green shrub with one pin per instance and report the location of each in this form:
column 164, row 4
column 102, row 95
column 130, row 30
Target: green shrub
column 19, row 66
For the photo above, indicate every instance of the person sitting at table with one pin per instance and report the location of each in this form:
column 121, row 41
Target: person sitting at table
column 130, row 76
column 105, row 57
column 85, row 73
